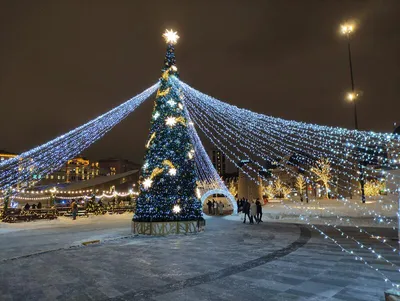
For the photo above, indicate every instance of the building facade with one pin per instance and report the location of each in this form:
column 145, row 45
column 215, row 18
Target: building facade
column 4, row 155
column 218, row 160
column 114, row 166
column 75, row 170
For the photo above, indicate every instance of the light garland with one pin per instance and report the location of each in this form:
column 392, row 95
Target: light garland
column 52, row 155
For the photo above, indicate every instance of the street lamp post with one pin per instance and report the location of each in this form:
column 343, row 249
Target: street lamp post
column 347, row 30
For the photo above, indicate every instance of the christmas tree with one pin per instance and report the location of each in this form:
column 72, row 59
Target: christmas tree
column 168, row 178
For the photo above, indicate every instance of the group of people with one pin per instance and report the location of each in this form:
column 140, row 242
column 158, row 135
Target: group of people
column 215, row 208
column 250, row 209
column 34, row 206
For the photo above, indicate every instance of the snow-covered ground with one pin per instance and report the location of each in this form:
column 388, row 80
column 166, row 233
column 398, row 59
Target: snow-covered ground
column 377, row 211
column 63, row 222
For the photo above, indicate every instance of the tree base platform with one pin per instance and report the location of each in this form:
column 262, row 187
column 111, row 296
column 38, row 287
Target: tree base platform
column 168, row 227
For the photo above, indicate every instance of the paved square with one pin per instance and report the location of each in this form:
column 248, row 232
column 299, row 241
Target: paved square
column 230, row 261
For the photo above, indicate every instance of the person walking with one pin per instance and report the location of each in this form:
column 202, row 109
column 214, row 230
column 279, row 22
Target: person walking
column 253, row 212
column 246, row 211
column 259, row 211
column 74, row 209
column 210, row 205
column 215, row 207
column 221, row 208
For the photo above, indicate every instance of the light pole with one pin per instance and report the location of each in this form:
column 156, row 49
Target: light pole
column 347, row 30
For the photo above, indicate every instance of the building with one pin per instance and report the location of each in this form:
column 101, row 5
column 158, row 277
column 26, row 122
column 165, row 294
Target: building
column 75, row 170
column 4, row 155
column 114, row 166
column 122, row 182
column 247, row 186
column 219, row 161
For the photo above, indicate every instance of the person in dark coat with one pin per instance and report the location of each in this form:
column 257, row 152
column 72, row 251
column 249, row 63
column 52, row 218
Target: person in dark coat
column 27, row 206
column 39, row 205
column 210, row 206
column 74, row 209
column 259, row 211
column 246, row 211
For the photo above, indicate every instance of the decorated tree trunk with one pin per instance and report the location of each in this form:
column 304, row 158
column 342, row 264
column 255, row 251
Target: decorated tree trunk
column 168, row 178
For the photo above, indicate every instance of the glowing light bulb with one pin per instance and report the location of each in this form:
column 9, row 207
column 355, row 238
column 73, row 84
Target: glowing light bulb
column 156, row 115
column 176, row 209
column 171, row 102
column 352, row 96
column 147, row 183
column 172, row 171
column 171, row 121
column 170, row 36
column 347, row 28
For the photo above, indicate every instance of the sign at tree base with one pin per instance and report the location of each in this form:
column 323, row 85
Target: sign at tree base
column 168, row 227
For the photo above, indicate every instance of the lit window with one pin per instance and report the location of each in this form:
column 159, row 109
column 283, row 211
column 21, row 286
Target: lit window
column 52, row 177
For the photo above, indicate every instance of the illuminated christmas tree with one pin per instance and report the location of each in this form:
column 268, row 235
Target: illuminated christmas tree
column 168, row 178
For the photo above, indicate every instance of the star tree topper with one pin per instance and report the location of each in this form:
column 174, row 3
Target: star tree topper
column 170, row 36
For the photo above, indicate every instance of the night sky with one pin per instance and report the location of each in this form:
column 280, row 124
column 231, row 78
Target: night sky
column 63, row 63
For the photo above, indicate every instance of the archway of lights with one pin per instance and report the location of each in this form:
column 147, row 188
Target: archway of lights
column 241, row 134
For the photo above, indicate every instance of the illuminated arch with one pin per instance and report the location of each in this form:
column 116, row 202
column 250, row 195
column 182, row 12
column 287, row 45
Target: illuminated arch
column 225, row 193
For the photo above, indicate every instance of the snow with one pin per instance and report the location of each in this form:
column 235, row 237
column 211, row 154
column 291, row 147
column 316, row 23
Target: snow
column 62, row 221
column 323, row 211
column 286, row 211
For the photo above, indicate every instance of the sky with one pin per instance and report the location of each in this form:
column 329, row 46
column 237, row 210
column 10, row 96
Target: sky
column 63, row 63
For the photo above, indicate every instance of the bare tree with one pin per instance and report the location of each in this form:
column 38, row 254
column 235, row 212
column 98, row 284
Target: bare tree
column 233, row 189
column 322, row 170
column 269, row 191
column 281, row 189
column 300, row 185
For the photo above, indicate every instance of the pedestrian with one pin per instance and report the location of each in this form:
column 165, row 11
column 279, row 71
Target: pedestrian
column 253, row 212
column 215, row 207
column 259, row 211
column 210, row 205
column 27, row 207
column 74, row 209
column 221, row 208
column 246, row 210
column 33, row 206
column 39, row 205
column 240, row 209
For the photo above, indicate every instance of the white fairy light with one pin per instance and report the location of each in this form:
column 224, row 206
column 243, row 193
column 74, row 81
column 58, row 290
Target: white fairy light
column 176, row 209
column 172, row 172
column 171, row 102
column 147, row 183
column 171, row 121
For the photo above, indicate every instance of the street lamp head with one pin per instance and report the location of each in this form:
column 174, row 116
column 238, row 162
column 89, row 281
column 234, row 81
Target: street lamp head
column 352, row 96
column 347, row 28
